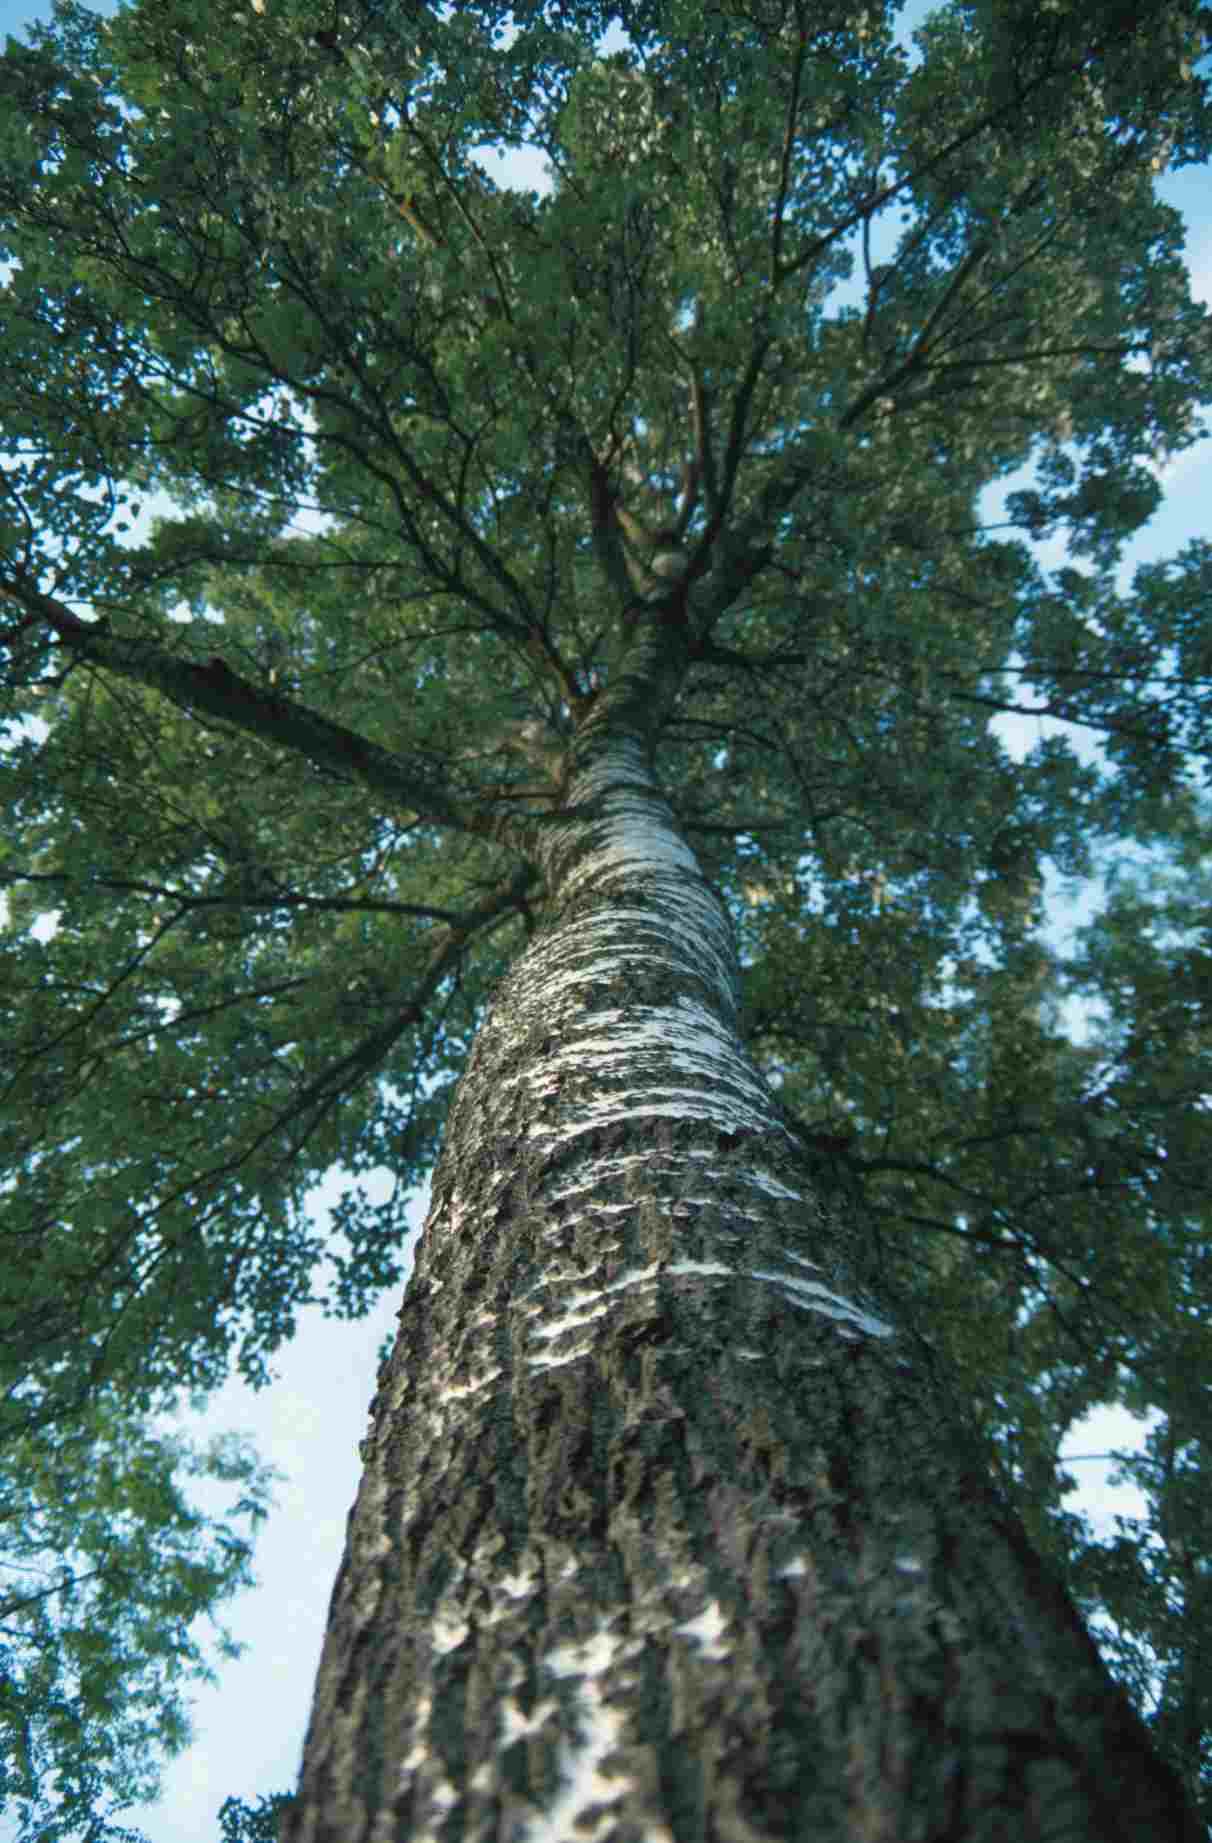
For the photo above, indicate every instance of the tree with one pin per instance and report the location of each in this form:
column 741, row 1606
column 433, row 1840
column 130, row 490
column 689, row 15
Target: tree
column 603, row 788
column 109, row 1568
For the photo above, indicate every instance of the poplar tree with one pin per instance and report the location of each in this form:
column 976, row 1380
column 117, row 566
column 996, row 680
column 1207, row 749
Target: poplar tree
column 546, row 739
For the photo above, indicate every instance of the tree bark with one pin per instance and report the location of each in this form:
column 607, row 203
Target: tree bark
column 668, row 1529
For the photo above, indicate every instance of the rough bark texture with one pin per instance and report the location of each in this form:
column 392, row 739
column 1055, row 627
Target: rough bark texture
column 666, row 1531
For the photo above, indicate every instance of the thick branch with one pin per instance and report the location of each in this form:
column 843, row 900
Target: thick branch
column 213, row 690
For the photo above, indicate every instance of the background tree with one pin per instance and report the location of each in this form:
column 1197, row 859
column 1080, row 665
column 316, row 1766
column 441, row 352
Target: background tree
column 107, row 1569
column 289, row 789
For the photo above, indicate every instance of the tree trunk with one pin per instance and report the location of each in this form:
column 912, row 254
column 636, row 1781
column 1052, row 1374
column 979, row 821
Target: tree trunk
column 666, row 1529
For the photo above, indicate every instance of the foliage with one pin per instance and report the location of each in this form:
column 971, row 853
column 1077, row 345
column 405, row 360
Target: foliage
column 242, row 1824
column 106, row 1566
column 278, row 759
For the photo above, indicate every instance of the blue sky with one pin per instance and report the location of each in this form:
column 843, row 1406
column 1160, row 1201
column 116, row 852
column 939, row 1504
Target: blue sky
column 249, row 1727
